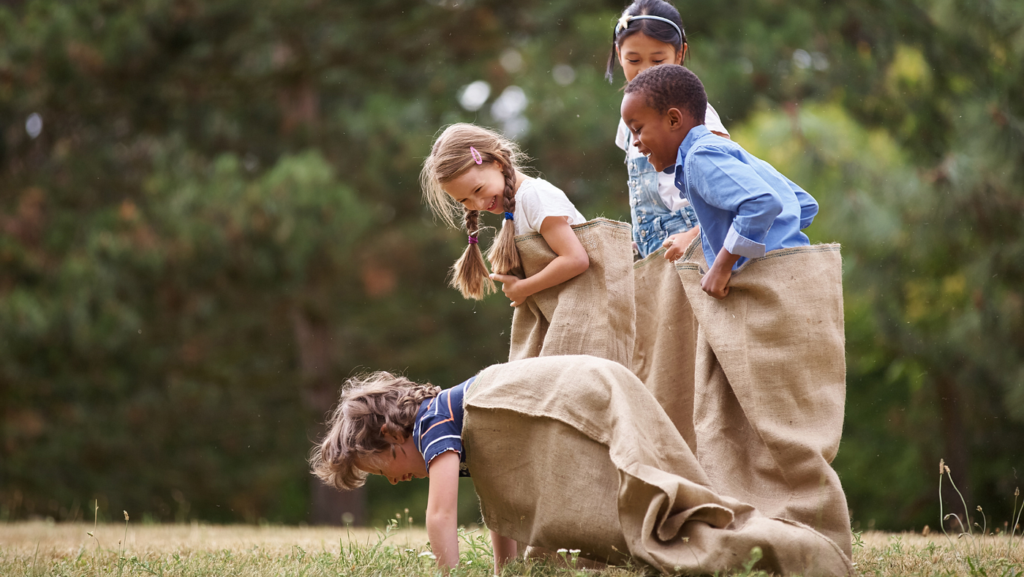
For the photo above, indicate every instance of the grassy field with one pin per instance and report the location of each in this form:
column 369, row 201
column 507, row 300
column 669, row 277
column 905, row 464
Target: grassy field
column 76, row 549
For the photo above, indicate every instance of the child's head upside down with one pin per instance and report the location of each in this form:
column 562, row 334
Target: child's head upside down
column 370, row 431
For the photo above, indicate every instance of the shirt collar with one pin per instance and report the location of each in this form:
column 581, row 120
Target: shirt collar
column 695, row 134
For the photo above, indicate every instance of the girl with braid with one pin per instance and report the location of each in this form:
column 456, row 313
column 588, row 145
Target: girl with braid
column 387, row 425
column 472, row 170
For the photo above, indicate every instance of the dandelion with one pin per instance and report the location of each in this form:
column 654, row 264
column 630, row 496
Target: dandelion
column 942, row 466
column 125, row 515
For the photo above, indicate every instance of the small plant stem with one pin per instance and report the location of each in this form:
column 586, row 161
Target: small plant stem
column 1013, row 525
column 967, row 514
column 1017, row 520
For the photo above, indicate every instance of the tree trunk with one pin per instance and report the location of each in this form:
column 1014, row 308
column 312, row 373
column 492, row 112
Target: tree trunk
column 956, row 455
column 328, row 506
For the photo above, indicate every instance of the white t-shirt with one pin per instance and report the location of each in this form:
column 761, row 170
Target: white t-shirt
column 666, row 182
column 538, row 199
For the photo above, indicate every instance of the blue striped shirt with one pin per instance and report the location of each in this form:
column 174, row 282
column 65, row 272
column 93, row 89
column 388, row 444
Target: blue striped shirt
column 438, row 426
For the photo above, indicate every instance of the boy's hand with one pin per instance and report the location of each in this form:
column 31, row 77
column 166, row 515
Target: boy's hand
column 716, row 282
column 510, row 286
column 678, row 243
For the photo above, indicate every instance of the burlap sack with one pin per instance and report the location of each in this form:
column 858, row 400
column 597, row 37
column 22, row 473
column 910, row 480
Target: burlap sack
column 589, row 314
column 770, row 385
column 574, row 452
column 666, row 335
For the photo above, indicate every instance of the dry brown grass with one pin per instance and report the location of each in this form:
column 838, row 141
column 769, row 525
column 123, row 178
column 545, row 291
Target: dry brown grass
column 39, row 548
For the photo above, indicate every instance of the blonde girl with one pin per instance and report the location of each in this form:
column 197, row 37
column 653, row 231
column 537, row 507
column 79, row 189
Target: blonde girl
column 472, row 170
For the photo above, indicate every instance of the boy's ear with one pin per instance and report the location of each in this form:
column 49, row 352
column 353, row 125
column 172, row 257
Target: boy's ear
column 675, row 118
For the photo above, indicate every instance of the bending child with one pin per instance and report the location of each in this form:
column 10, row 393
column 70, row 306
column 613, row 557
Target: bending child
column 390, row 426
column 472, row 170
column 650, row 33
column 745, row 207
column 565, row 452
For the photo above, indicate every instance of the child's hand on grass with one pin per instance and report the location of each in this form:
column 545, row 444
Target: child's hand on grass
column 678, row 243
column 510, row 285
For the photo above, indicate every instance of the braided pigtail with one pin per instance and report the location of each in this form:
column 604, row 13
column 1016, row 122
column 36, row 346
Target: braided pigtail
column 503, row 254
column 469, row 273
column 458, row 149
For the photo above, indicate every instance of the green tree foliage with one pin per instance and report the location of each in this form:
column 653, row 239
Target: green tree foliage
column 219, row 220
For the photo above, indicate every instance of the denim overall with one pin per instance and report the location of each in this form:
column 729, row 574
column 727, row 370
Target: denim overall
column 653, row 222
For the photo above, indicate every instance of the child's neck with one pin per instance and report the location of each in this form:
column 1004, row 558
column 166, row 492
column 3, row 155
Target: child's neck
column 520, row 179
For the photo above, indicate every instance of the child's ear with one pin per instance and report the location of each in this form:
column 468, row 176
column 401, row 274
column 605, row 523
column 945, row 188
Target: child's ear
column 681, row 54
column 389, row 437
column 675, row 118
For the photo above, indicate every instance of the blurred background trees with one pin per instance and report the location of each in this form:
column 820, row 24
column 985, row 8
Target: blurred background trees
column 209, row 217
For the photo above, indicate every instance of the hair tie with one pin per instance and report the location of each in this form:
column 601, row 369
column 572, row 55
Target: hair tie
column 476, row 155
column 626, row 18
column 473, row 240
column 509, row 216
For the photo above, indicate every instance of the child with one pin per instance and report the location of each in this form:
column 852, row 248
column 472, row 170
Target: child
column 471, row 169
column 388, row 425
column 744, row 206
column 566, row 452
column 770, row 388
column 650, row 33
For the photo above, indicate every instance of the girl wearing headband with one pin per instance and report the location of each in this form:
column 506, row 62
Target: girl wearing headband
column 650, row 32
column 472, row 170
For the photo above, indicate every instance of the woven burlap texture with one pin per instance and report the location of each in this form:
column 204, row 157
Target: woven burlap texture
column 770, row 384
column 574, row 452
column 589, row 314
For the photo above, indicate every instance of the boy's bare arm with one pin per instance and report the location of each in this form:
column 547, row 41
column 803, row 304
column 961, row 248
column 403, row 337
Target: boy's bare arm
column 442, row 506
column 716, row 282
column 504, row 550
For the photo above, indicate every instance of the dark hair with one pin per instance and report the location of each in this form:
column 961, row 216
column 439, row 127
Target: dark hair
column 671, row 86
column 656, row 29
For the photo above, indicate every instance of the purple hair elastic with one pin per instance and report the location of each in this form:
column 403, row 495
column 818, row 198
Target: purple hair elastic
column 473, row 240
column 476, row 155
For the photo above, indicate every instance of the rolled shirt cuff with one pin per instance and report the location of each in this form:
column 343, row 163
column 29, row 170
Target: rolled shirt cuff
column 740, row 245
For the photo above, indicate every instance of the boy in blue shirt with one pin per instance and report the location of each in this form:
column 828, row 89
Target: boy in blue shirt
column 770, row 365
column 745, row 207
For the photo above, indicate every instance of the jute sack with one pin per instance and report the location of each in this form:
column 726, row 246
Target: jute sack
column 589, row 314
column 770, row 384
column 574, row 452
column 666, row 335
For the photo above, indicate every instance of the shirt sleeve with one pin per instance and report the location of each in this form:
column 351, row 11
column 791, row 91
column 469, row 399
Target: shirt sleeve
column 808, row 206
column 726, row 183
column 541, row 200
column 713, row 121
column 622, row 136
column 439, row 431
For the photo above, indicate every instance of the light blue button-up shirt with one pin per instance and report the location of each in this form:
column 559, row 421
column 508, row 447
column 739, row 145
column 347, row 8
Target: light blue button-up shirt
column 741, row 201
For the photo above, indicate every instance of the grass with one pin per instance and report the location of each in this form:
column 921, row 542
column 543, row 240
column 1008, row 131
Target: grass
column 40, row 548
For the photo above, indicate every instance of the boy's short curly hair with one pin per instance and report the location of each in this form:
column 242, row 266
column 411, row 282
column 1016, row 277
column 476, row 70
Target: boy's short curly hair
column 369, row 407
column 671, row 86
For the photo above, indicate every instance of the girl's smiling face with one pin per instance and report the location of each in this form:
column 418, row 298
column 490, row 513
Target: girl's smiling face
column 479, row 188
column 638, row 52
